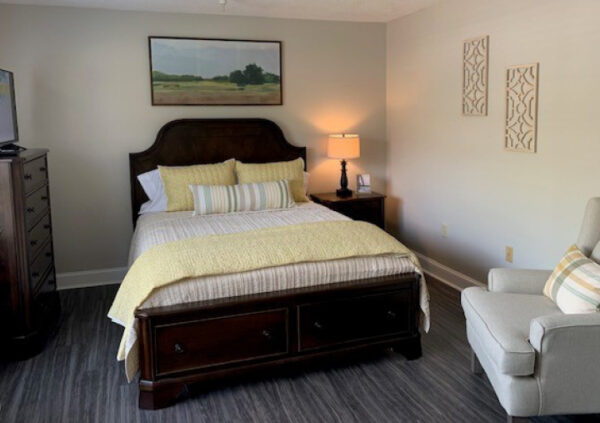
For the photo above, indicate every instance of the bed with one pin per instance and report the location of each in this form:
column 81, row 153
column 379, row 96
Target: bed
column 228, row 327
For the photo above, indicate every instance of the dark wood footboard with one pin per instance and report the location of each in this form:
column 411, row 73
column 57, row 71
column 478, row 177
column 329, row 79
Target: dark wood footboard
column 232, row 337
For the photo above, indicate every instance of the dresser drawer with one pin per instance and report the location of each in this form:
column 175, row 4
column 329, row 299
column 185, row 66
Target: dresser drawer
column 39, row 267
column 36, row 205
column 35, row 174
column 328, row 323
column 221, row 340
column 47, row 284
column 38, row 235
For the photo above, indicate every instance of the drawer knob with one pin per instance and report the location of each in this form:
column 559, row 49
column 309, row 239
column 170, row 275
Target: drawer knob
column 51, row 281
column 33, row 243
column 267, row 334
column 179, row 349
column 318, row 325
column 30, row 209
column 390, row 314
column 27, row 176
column 42, row 169
column 45, row 197
column 35, row 275
column 48, row 254
column 47, row 226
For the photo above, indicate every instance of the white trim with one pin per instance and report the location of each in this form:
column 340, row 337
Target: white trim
column 89, row 278
column 447, row 275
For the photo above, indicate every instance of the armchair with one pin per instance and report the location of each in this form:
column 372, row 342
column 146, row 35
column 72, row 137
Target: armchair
column 539, row 360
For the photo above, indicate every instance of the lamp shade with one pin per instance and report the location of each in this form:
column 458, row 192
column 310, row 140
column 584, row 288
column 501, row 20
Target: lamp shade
column 343, row 146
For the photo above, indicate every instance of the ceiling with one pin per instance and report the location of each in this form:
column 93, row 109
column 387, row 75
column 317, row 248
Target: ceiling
column 340, row 10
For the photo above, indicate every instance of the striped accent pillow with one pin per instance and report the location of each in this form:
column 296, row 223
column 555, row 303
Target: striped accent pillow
column 575, row 283
column 211, row 199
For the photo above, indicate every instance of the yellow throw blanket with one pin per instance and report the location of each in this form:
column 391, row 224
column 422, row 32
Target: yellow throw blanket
column 245, row 251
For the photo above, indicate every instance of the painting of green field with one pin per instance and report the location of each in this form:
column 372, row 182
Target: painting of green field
column 215, row 92
column 196, row 71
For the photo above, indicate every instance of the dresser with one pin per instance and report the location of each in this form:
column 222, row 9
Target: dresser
column 29, row 303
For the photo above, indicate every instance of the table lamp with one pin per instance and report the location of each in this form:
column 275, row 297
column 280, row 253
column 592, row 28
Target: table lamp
column 343, row 147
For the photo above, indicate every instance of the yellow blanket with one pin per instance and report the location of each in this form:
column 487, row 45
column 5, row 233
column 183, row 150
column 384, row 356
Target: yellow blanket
column 245, row 251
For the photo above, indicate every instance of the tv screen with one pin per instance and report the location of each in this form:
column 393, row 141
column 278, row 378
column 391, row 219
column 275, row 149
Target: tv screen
column 8, row 111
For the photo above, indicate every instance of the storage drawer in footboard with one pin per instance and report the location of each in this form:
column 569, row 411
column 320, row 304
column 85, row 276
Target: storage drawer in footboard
column 354, row 319
column 220, row 341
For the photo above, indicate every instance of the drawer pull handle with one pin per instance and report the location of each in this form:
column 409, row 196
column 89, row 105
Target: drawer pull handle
column 33, row 243
column 318, row 325
column 35, row 275
column 179, row 349
column 391, row 314
column 30, row 209
column 45, row 197
column 267, row 334
column 48, row 254
column 51, row 281
column 27, row 176
column 42, row 169
column 47, row 226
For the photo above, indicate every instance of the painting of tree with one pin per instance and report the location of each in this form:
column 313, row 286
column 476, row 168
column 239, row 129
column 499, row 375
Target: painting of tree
column 193, row 71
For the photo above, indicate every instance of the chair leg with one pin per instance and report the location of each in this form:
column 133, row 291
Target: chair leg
column 475, row 364
column 513, row 419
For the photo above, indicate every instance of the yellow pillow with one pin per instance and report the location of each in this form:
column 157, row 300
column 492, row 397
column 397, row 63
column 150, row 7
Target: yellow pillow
column 177, row 180
column 293, row 171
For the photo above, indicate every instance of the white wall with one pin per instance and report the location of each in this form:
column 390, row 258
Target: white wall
column 82, row 85
column 446, row 168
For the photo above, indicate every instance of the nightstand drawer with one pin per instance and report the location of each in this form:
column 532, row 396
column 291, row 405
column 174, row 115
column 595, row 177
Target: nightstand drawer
column 368, row 211
column 368, row 207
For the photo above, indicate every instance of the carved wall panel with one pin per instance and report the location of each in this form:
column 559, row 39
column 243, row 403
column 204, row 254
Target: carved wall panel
column 520, row 133
column 475, row 76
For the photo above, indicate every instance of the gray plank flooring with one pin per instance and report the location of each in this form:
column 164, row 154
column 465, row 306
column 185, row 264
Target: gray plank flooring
column 76, row 379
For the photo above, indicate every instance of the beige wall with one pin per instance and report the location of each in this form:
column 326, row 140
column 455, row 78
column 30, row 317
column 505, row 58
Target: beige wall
column 446, row 168
column 83, row 92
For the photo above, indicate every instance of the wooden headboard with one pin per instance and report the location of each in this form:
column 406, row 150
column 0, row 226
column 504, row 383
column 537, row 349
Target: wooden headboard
column 201, row 141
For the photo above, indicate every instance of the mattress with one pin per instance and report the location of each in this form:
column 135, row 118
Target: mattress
column 158, row 228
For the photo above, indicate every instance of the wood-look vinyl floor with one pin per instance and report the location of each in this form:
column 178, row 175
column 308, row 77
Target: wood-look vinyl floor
column 76, row 379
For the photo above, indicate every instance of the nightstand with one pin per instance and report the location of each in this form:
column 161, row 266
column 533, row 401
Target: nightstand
column 368, row 207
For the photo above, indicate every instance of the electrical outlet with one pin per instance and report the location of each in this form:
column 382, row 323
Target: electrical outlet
column 444, row 230
column 509, row 254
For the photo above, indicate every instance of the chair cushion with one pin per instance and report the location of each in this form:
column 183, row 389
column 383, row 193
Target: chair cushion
column 502, row 321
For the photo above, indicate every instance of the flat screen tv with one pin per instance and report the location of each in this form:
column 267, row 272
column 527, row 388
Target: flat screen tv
column 8, row 111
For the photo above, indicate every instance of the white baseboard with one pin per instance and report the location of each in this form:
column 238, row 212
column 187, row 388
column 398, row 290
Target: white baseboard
column 447, row 275
column 89, row 278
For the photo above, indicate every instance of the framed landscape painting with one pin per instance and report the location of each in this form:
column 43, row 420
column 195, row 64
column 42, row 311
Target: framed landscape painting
column 201, row 71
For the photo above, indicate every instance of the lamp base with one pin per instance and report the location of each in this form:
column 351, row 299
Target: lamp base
column 343, row 192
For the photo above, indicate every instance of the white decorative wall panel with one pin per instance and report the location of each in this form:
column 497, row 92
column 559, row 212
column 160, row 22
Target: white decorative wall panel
column 475, row 76
column 520, row 133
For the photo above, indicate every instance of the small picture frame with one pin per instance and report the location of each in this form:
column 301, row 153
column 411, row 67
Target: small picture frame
column 363, row 183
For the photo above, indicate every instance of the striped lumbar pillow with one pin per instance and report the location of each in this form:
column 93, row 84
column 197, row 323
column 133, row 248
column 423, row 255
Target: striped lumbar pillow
column 575, row 283
column 211, row 199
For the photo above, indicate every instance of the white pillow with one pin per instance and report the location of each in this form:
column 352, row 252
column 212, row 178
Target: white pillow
column 306, row 178
column 153, row 187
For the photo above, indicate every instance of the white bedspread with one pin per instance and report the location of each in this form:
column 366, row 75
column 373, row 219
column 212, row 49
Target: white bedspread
column 158, row 228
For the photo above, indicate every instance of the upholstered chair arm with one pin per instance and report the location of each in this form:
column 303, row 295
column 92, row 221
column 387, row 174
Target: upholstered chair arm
column 518, row 281
column 568, row 347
